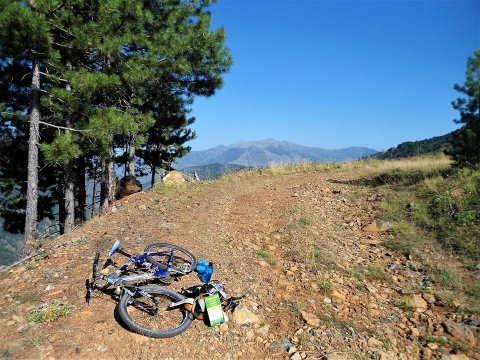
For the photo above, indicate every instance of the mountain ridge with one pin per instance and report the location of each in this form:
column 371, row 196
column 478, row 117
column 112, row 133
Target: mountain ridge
column 269, row 151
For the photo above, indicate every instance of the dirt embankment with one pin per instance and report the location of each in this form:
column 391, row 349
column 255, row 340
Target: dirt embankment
column 321, row 286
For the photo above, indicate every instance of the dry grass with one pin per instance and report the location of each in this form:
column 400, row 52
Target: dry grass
column 428, row 163
column 435, row 162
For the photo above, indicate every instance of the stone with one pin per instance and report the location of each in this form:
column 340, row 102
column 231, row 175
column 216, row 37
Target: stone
column 243, row 316
column 460, row 333
column 372, row 306
column 126, row 186
column 455, row 357
column 292, row 350
column 49, row 287
column 174, row 177
column 223, row 328
column 263, row 263
column 310, row 319
column 429, row 298
column 377, row 226
column 374, row 343
column 418, row 302
column 414, row 332
column 263, row 331
column 457, row 192
column 142, row 207
column 427, row 353
column 296, row 356
column 337, row 295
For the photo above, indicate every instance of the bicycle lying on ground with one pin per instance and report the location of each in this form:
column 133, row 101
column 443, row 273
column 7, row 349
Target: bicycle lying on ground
column 153, row 310
column 160, row 262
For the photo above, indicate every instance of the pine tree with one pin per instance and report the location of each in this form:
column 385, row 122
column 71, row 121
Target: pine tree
column 466, row 141
column 108, row 75
column 24, row 37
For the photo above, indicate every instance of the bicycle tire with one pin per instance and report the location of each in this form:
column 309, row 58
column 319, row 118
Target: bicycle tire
column 156, row 260
column 131, row 314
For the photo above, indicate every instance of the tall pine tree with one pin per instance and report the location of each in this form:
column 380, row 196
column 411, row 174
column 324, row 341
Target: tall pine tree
column 466, row 141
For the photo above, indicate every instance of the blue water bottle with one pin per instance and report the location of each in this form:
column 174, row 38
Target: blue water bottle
column 205, row 270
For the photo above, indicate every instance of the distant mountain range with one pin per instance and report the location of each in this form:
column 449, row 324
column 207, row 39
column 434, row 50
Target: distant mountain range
column 268, row 152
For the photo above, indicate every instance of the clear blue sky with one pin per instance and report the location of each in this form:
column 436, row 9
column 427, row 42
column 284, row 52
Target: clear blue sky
column 334, row 74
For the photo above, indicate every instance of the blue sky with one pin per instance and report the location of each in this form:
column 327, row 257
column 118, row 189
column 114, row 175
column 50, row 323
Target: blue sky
column 334, row 74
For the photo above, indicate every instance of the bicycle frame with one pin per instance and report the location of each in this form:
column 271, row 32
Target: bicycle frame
column 126, row 281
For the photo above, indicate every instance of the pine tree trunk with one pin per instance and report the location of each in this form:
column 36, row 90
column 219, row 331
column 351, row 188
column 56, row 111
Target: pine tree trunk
column 108, row 182
column 80, row 190
column 69, row 179
column 69, row 196
column 60, row 195
column 32, row 181
column 131, row 155
column 94, row 190
column 152, row 181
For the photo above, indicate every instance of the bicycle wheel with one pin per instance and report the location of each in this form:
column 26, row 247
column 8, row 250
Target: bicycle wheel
column 141, row 315
column 171, row 257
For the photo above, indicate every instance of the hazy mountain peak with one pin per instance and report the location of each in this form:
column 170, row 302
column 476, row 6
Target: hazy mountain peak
column 269, row 151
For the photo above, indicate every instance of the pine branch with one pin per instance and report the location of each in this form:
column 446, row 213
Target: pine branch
column 62, row 127
column 53, row 76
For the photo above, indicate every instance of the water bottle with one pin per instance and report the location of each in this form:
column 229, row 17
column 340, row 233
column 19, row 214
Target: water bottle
column 208, row 273
column 204, row 270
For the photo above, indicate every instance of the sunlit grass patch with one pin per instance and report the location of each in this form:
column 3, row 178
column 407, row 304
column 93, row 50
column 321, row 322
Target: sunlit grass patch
column 50, row 312
column 267, row 256
column 169, row 189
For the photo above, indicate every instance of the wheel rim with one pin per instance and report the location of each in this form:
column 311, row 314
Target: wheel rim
column 179, row 258
column 140, row 311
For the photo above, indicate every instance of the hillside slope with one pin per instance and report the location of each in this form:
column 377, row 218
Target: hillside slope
column 292, row 241
column 415, row 148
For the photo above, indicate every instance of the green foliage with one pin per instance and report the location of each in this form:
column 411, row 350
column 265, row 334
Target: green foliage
column 370, row 272
column 25, row 298
column 23, row 31
column 325, row 286
column 404, row 305
column 50, row 312
column 268, row 257
column 124, row 73
column 61, row 149
column 441, row 340
column 414, row 148
column 473, row 290
column 446, row 278
column 445, row 207
column 466, row 142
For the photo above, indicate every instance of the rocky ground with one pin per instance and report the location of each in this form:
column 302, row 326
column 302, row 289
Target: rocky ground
column 305, row 247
